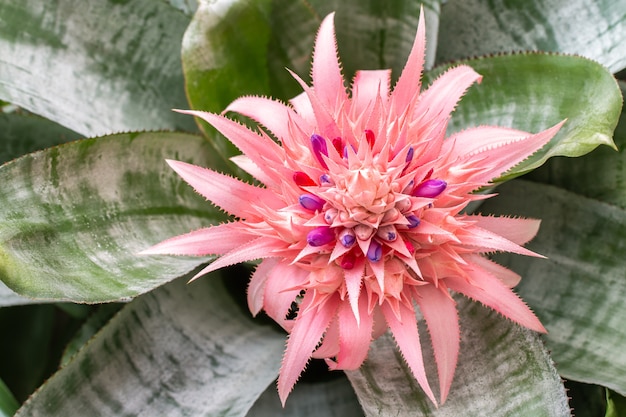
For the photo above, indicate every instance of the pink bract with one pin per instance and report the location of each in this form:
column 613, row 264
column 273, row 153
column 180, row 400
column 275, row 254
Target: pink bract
column 361, row 215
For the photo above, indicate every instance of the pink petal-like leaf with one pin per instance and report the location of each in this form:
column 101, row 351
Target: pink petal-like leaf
column 214, row 240
column 354, row 336
column 439, row 100
column 490, row 291
column 232, row 195
column 257, row 284
column 259, row 248
column 409, row 83
column 307, row 332
column 517, row 230
column 508, row 277
column 281, row 289
column 369, row 86
column 326, row 71
column 441, row 317
column 272, row 114
column 487, row 241
column 407, row 337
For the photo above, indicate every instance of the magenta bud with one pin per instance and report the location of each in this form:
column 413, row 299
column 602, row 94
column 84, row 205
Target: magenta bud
column 348, row 260
column 311, row 202
column 318, row 144
column 430, row 188
column 320, row 236
column 375, row 251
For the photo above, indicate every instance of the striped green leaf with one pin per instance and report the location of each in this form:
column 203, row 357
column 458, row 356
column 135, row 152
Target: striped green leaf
column 181, row 350
column 74, row 217
column 94, row 67
column 503, row 370
column 595, row 29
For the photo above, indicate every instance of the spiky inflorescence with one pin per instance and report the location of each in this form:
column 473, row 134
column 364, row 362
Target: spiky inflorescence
column 361, row 214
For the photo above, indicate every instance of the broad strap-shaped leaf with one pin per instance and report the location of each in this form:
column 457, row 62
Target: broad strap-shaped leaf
column 578, row 291
column 242, row 47
column 94, row 67
column 181, row 350
column 310, row 399
column 22, row 133
column 599, row 175
column 534, row 91
column 9, row 298
column 74, row 217
column 503, row 370
column 595, row 29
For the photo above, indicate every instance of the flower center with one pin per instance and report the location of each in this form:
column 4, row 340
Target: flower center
column 365, row 206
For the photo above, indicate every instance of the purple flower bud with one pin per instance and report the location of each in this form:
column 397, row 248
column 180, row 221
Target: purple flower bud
column 311, row 202
column 375, row 251
column 430, row 188
column 347, row 237
column 320, row 236
column 318, row 144
column 325, row 179
column 414, row 221
column 409, row 155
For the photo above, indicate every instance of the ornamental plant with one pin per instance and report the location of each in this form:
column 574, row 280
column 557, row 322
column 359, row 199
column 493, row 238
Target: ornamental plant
column 373, row 212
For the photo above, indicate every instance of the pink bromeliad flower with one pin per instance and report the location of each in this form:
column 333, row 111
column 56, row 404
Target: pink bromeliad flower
column 361, row 215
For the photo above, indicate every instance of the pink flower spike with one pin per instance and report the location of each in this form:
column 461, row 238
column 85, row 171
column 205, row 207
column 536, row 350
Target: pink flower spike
column 359, row 217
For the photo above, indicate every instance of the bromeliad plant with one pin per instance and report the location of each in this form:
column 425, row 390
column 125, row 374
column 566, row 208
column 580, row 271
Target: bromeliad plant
column 362, row 204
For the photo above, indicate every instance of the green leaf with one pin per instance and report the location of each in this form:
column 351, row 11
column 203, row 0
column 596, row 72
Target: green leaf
column 181, row 350
column 236, row 48
column 94, row 67
column 600, row 175
column 8, row 403
column 577, row 292
column 9, row 298
column 328, row 398
column 22, row 133
column 74, row 217
column 503, row 370
column 533, row 91
column 595, row 29
column 616, row 405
